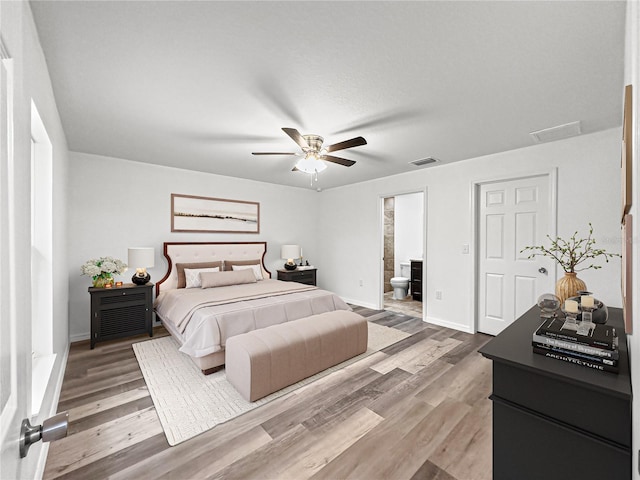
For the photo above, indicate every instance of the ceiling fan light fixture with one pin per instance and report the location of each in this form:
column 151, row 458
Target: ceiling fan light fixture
column 310, row 164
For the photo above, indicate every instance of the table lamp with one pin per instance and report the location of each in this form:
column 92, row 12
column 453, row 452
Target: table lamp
column 290, row 252
column 141, row 258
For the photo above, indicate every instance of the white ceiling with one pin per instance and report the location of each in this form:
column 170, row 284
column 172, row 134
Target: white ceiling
column 200, row 85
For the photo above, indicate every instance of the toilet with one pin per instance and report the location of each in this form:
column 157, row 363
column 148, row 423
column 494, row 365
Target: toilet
column 401, row 284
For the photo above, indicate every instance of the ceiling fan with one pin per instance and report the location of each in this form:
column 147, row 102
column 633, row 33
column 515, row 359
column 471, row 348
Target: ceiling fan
column 314, row 153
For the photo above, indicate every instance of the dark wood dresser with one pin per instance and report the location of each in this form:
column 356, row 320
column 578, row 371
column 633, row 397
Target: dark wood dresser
column 307, row 276
column 556, row 420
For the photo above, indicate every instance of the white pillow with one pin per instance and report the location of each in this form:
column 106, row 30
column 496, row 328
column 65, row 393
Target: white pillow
column 257, row 271
column 192, row 276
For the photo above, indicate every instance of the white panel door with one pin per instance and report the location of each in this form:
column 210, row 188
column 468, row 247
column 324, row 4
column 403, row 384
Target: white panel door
column 13, row 395
column 512, row 215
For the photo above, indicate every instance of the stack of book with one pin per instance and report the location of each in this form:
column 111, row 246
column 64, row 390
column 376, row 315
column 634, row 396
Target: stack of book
column 598, row 349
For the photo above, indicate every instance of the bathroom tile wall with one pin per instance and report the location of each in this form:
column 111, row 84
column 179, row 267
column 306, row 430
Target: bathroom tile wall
column 389, row 242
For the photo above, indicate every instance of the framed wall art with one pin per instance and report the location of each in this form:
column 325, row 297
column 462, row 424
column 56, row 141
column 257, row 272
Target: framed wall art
column 627, row 151
column 627, row 279
column 190, row 213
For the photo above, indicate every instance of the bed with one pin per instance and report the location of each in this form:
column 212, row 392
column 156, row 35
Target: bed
column 212, row 291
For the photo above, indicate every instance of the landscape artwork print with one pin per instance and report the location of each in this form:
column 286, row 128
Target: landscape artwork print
column 191, row 213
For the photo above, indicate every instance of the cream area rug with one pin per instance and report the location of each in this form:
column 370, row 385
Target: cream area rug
column 189, row 403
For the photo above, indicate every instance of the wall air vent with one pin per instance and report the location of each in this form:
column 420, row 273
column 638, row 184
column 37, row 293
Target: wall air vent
column 557, row 133
column 424, row 161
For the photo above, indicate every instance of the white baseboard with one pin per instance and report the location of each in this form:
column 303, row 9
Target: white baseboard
column 445, row 323
column 360, row 303
column 78, row 337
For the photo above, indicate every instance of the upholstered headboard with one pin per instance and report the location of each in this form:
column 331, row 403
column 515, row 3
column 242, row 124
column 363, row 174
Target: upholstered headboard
column 192, row 252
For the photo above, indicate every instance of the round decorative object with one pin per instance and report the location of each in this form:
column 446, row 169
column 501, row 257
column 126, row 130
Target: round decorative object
column 599, row 314
column 103, row 279
column 141, row 280
column 568, row 286
column 290, row 266
column 548, row 304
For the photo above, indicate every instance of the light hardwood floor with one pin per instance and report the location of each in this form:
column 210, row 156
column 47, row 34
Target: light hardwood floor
column 406, row 412
column 406, row 306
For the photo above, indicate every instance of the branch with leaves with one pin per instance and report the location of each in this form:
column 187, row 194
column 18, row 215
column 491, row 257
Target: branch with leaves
column 572, row 253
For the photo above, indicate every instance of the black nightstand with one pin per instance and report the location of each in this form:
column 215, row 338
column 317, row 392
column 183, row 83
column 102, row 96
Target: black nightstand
column 307, row 276
column 120, row 311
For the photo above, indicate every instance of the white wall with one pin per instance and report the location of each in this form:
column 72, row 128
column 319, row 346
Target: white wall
column 31, row 81
column 116, row 204
column 632, row 76
column 408, row 228
column 588, row 191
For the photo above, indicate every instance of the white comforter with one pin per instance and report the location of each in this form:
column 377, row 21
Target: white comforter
column 207, row 317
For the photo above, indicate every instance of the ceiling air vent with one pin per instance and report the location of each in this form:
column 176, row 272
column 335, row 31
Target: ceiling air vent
column 424, row 161
column 557, row 133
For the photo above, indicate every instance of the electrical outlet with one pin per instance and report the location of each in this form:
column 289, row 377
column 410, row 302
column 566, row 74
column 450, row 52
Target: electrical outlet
column 438, row 294
column 361, row 283
column 465, row 249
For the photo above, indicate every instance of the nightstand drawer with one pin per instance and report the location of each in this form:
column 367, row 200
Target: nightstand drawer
column 302, row 276
column 120, row 297
column 307, row 277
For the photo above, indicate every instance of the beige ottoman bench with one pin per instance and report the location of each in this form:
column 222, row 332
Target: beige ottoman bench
column 263, row 361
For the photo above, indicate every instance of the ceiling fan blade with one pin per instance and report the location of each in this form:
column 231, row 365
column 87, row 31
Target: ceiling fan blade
column 354, row 142
column 273, row 153
column 271, row 92
column 382, row 120
column 338, row 160
column 296, row 137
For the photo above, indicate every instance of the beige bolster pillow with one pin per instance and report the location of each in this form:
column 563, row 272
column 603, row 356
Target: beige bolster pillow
column 223, row 279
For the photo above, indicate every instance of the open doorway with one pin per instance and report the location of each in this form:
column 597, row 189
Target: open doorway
column 403, row 253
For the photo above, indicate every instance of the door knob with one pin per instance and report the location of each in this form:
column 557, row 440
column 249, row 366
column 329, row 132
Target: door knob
column 542, row 270
column 53, row 428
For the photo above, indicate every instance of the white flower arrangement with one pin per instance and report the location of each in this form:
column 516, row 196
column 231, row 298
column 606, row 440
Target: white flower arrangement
column 103, row 266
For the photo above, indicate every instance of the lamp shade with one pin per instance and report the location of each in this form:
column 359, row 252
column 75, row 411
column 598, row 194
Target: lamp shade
column 289, row 251
column 141, row 257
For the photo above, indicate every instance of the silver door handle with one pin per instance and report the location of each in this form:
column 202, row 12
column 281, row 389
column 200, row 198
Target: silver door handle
column 542, row 270
column 53, row 428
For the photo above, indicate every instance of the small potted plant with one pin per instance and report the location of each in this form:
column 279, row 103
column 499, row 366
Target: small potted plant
column 573, row 255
